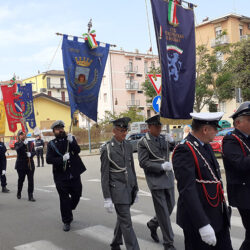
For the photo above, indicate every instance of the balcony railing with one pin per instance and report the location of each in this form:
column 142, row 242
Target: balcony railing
column 131, row 103
column 131, row 69
column 244, row 37
column 56, row 86
column 132, row 85
column 219, row 41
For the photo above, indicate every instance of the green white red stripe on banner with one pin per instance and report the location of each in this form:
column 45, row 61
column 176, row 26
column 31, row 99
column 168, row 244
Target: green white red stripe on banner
column 172, row 19
column 175, row 48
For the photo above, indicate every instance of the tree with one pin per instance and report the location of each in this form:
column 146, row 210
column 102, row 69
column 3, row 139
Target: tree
column 147, row 86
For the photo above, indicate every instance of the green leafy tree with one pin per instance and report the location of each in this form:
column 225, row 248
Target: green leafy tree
column 134, row 114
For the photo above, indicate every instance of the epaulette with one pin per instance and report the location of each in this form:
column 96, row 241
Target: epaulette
column 147, row 136
column 103, row 146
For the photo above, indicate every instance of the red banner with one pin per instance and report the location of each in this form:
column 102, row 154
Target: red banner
column 13, row 112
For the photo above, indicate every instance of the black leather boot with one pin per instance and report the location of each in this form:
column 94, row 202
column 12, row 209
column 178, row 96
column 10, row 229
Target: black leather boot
column 5, row 190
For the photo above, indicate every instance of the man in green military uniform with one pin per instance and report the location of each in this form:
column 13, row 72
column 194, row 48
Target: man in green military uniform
column 119, row 183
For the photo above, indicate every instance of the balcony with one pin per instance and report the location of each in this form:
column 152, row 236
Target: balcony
column 132, row 85
column 56, row 86
column 219, row 41
column 131, row 69
column 244, row 37
column 132, row 103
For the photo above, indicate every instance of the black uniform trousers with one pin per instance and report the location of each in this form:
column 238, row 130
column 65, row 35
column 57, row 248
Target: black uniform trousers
column 21, row 177
column 3, row 180
column 124, row 228
column 69, row 192
column 245, row 216
column 193, row 240
column 39, row 154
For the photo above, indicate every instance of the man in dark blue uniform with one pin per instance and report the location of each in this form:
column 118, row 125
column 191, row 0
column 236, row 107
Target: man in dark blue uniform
column 236, row 157
column 153, row 155
column 39, row 145
column 25, row 164
column 63, row 154
column 3, row 164
column 119, row 183
column 201, row 209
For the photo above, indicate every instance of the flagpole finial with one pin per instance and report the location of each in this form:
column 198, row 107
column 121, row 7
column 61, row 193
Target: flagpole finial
column 89, row 25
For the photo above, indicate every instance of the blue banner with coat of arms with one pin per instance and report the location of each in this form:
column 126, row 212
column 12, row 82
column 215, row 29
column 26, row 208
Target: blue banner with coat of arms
column 84, row 68
column 175, row 35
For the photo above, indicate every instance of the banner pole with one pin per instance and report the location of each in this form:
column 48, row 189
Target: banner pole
column 89, row 136
column 70, row 128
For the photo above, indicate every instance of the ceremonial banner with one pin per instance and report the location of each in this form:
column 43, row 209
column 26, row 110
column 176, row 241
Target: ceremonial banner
column 13, row 113
column 25, row 103
column 2, row 118
column 175, row 35
column 83, row 69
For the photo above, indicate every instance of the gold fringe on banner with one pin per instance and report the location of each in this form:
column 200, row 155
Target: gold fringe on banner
column 167, row 121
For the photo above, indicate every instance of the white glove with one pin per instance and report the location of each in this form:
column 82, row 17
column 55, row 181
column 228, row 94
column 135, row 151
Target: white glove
column 108, row 204
column 70, row 137
column 28, row 154
column 169, row 138
column 66, row 157
column 167, row 166
column 3, row 172
column 25, row 141
column 208, row 235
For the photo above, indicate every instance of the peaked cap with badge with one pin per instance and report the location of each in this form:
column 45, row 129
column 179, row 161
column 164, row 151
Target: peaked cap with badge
column 243, row 110
column 121, row 122
column 154, row 120
column 58, row 123
column 211, row 118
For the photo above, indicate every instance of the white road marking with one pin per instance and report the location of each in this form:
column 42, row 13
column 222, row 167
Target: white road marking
column 84, row 199
column 94, row 180
column 38, row 245
column 144, row 193
column 50, row 186
column 44, row 190
column 105, row 235
column 135, row 211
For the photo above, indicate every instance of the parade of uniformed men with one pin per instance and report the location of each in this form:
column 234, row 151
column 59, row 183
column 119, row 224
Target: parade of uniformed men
column 63, row 154
column 3, row 165
column 153, row 155
column 202, row 212
column 25, row 164
column 39, row 145
column 236, row 158
column 119, row 184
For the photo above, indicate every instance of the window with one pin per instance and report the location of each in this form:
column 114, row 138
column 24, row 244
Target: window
column 48, row 82
column 63, row 96
column 220, row 56
column 105, row 98
column 145, row 67
column 49, row 93
column 218, row 31
column 138, row 58
column 62, row 83
column 130, row 65
column 153, row 64
column 241, row 30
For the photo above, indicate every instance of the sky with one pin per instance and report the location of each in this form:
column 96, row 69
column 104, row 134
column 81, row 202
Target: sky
column 28, row 43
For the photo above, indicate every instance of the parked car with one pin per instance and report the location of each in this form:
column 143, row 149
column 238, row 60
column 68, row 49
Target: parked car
column 217, row 142
column 133, row 139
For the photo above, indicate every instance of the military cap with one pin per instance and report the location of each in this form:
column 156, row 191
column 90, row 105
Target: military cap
column 20, row 132
column 58, row 123
column 154, row 120
column 121, row 122
column 211, row 118
column 243, row 110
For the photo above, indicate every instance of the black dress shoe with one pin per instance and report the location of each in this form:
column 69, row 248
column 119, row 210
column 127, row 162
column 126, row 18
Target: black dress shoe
column 5, row 190
column 115, row 247
column 66, row 227
column 153, row 231
column 18, row 196
column 31, row 198
column 169, row 247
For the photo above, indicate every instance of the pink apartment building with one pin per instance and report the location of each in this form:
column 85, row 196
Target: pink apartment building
column 121, row 86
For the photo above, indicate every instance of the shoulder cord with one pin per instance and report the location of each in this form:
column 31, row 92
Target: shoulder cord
column 55, row 148
column 241, row 144
column 120, row 169
column 157, row 157
column 220, row 193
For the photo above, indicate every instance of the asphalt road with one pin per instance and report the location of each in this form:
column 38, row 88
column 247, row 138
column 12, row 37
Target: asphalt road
column 38, row 226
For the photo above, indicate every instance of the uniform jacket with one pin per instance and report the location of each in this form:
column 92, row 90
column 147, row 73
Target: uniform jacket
column 2, row 156
column 22, row 161
column 149, row 152
column 120, row 186
column 193, row 209
column 39, row 144
column 75, row 166
column 237, row 167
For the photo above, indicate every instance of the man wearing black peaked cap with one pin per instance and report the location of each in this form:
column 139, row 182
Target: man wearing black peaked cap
column 119, row 183
column 63, row 154
column 202, row 212
column 153, row 155
column 236, row 157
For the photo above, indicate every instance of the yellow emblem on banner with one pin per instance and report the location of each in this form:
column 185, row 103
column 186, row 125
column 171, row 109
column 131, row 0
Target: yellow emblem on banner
column 2, row 118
